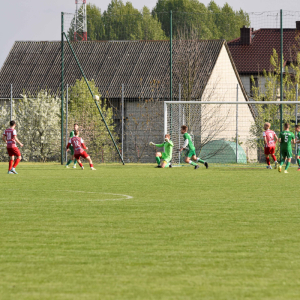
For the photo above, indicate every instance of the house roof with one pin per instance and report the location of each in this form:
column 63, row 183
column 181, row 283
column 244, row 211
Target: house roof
column 254, row 58
column 142, row 65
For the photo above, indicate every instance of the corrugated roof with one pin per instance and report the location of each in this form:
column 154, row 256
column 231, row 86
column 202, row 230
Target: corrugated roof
column 255, row 58
column 138, row 64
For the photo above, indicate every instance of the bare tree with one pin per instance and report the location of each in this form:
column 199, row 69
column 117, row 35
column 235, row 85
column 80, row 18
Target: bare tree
column 193, row 65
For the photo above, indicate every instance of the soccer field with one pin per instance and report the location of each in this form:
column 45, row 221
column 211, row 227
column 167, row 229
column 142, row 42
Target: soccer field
column 136, row 232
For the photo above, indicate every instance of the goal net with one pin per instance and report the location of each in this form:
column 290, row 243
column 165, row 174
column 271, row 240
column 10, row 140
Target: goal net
column 227, row 132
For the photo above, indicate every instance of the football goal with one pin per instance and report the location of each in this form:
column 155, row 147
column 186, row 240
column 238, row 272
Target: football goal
column 227, row 132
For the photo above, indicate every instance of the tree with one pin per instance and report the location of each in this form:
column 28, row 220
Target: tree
column 231, row 21
column 188, row 15
column 211, row 22
column 84, row 112
column 38, row 123
column 120, row 22
column 4, row 123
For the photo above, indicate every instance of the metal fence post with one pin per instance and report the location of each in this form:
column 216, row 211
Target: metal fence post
column 62, row 89
column 67, row 99
column 296, row 116
column 237, row 123
column 179, row 120
column 171, row 56
column 11, row 102
column 165, row 118
column 171, row 68
column 281, row 73
column 122, row 104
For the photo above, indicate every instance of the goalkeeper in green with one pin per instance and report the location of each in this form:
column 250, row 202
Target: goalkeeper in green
column 165, row 156
column 286, row 138
column 191, row 157
column 71, row 148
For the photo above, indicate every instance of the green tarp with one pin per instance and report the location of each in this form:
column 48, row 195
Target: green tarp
column 221, row 151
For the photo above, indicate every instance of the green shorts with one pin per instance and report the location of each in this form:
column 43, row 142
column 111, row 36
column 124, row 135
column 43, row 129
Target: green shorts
column 72, row 150
column 165, row 157
column 191, row 153
column 286, row 154
column 298, row 152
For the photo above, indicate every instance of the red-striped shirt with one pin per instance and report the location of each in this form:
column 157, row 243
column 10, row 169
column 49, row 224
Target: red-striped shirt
column 10, row 135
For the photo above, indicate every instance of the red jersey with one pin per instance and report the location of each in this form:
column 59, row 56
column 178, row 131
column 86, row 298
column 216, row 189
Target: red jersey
column 10, row 135
column 77, row 144
column 270, row 136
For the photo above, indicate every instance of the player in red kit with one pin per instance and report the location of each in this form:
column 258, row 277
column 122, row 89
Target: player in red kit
column 78, row 144
column 10, row 138
column 270, row 139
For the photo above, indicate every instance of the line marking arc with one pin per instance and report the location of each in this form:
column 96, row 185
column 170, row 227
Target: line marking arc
column 122, row 196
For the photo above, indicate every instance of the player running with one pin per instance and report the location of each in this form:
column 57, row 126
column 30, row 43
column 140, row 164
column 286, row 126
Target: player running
column 270, row 139
column 72, row 149
column 191, row 157
column 297, row 127
column 10, row 138
column 286, row 138
column 78, row 144
column 165, row 156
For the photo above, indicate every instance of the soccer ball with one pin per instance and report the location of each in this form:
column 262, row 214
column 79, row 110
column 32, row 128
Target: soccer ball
column 96, row 97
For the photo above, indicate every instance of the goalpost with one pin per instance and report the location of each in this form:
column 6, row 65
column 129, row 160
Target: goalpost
column 226, row 132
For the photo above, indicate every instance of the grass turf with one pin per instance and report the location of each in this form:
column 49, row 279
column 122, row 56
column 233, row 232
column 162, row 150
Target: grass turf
column 221, row 233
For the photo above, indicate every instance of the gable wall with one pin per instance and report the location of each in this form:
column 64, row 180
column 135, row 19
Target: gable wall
column 222, row 86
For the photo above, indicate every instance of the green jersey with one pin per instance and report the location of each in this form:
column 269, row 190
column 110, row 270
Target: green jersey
column 187, row 136
column 298, row 145
column 72, row 134
column 168, row 149
column 71, row 147
column 286, row 140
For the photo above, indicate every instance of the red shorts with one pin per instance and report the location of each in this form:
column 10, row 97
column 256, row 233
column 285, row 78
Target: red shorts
column 270, row 150
column 13, row 151
column 82, row 154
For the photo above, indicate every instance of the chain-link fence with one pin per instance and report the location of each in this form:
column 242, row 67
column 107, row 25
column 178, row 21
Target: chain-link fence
column 137, row 61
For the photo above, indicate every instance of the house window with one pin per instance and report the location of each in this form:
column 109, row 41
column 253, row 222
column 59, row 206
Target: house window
column 253, row 84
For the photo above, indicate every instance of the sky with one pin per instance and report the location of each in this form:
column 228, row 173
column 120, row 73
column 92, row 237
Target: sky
column 39, row 20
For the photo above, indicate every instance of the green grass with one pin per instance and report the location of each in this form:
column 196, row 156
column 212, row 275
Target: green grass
column 221, row 233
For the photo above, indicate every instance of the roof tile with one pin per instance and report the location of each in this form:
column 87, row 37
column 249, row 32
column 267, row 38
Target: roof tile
column 140, row 64
column 255, row 57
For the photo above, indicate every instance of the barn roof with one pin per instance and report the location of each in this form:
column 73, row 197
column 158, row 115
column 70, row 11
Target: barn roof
column 254, row 58
column 142, row 65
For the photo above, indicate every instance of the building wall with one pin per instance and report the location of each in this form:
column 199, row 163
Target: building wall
column 246, row 79
column 222, row 87
column 246, row 83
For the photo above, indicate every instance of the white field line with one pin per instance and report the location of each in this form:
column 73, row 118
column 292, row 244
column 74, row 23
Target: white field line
column 123, row 197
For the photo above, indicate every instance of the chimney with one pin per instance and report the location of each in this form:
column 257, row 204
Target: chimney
column 298, row 25
column 246, row 35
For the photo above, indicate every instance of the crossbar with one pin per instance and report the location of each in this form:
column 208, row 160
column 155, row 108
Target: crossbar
column 232, row 102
